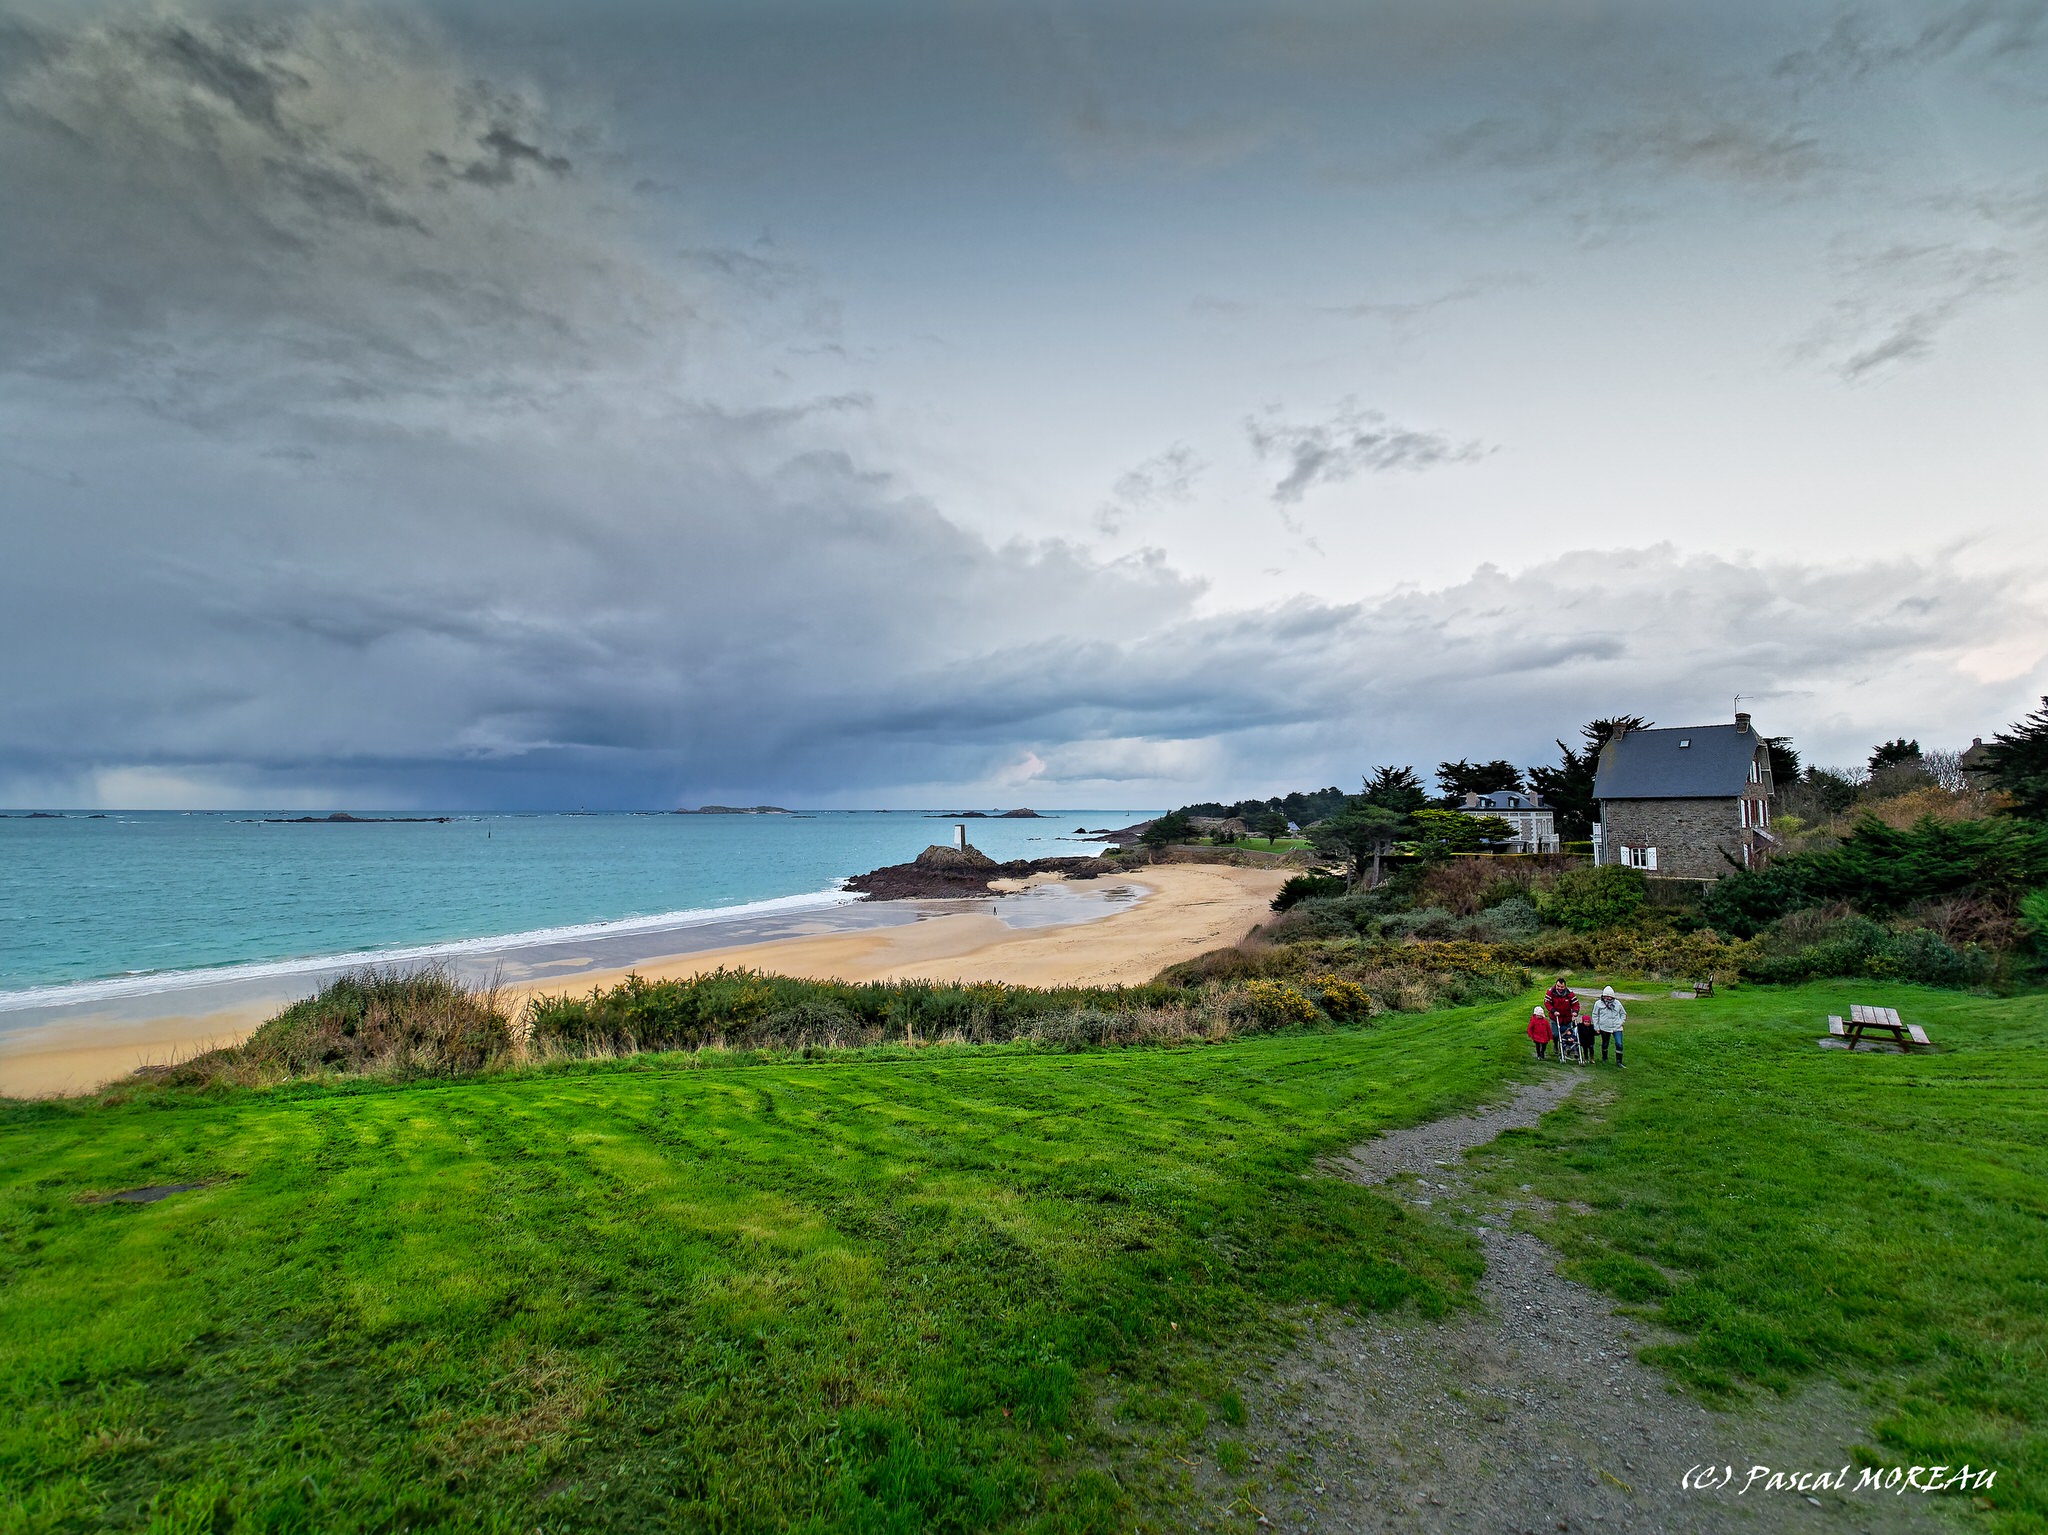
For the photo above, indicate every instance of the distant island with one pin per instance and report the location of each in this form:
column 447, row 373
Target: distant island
column 983, row 815
column 344, row 818
column 735, row 810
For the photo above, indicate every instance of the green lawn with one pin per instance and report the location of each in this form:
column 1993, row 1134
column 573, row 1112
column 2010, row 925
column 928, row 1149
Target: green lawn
column 1796, row 1212
column 872, row 1293
column 881, row 1292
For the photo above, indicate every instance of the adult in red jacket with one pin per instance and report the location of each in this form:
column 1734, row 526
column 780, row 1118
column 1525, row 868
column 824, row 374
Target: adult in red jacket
column 1562, row 1003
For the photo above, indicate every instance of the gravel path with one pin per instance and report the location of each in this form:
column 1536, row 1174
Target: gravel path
column 1527, row 1414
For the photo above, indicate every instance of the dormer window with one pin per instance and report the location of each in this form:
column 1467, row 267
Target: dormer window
column 1682, row 745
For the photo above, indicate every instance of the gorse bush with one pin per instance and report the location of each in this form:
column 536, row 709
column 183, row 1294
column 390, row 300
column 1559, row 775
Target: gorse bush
column 1276, row 1004
column 1344, row 1001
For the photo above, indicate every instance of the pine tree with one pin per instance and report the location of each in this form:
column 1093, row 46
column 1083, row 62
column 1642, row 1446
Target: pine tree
column 2017, row 763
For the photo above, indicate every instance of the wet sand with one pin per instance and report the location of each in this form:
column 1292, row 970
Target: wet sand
column 1119, row 930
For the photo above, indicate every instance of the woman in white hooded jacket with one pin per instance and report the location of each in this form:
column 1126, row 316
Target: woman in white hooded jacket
column 1608, row 1017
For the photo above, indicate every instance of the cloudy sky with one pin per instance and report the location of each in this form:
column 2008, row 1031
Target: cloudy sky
column 525, row 403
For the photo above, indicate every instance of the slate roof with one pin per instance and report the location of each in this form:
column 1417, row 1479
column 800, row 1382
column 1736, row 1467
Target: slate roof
column 1687, row 762
column 1508, row 799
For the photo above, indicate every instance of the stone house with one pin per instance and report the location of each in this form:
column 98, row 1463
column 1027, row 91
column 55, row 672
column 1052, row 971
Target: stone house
column 1534, row 823
column 1689, row 803
column 1976, row 772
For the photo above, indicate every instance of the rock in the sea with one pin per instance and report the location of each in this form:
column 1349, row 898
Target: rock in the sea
column 940, row 857
column 942, row 872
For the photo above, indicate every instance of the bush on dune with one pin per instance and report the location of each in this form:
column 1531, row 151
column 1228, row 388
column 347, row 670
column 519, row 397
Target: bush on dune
column 1810, row 945
column 1593, row 900
column 390, row 1023
column 749, row 1009
column 1882, row 870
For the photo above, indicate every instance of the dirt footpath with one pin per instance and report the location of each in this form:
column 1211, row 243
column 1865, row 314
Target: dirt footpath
column 1527, row 1414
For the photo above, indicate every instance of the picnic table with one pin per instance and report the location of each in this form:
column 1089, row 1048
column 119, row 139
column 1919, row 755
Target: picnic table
column 1882, row 1020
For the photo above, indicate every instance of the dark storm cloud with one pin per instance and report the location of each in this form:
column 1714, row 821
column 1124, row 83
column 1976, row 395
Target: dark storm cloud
column 1351, row 441
column 357, row 435
column 228, row 218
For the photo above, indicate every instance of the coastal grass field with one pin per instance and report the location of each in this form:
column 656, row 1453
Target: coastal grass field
column 1794, row 1212
column 892, row 1290
column 962, row 1289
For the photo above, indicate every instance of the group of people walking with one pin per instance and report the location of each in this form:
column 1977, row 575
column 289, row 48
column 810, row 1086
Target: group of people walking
column 1559, row 1018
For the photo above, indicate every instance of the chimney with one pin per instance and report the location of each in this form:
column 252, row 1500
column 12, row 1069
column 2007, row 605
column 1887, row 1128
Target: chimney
column 1742, row 719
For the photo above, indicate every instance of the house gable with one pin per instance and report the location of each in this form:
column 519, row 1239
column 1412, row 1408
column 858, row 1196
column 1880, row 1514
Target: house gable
column 1691, row 802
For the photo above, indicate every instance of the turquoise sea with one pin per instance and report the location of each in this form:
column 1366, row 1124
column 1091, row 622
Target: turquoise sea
column 132, row 902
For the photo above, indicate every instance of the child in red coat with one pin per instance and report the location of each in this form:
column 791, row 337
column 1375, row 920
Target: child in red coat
column 1539, row 1031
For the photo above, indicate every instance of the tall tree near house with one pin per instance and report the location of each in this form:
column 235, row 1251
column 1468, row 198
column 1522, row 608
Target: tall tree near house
column 1460, row 778
column 1568, row 787
column 1395, row 789
column 1439, row 832
column 1784, row 761
column 1361, row 834
column 1896, row 753
column 2017, row 763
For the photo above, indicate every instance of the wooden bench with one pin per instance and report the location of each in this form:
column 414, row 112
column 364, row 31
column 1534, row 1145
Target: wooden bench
column 1881, row 1020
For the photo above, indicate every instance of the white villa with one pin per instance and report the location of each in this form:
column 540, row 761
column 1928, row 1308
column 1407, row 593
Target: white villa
column 1535, row 826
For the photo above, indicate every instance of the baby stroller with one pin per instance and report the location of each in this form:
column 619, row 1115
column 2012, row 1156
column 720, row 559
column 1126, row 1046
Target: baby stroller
column 1566, row 1035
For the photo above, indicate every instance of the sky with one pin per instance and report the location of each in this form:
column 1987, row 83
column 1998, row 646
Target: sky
column 472, row 404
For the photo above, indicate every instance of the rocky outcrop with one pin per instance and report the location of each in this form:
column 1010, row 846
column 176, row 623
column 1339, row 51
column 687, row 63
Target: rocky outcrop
column 943, row 872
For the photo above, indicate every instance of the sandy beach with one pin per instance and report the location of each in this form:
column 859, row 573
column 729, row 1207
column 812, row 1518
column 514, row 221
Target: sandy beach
column 1184, row 910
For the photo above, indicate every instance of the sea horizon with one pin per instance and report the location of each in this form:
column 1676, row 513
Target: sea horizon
column 105, row 905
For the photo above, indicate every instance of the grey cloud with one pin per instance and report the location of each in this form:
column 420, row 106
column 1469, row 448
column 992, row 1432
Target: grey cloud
column 1706, row 138
column 248, row 196
column 1096, row 134
column 1993, row 30
column 1899, row 299
column 1350, row 442
column 1166, row 479
column 504, row 153
column 1404, row 313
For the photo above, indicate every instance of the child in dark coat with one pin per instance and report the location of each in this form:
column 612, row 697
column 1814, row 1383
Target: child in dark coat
column 1539, row 1031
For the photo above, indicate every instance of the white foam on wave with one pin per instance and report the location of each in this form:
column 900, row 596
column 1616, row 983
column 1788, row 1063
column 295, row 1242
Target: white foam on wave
column 149, row 983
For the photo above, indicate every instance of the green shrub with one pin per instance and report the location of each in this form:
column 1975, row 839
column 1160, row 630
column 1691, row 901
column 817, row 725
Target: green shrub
column 1340, row 916
column 1882, row 870
column 1426, row 922
column 417, row 1022
column 1812, row 945
column 1514, row 917
column 1591, row 900
column 1305, row 887
column 747, row 1008
column 2034, row 919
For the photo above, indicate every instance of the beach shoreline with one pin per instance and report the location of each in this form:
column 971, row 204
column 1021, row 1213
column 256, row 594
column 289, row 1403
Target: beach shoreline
column 1183, row 910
